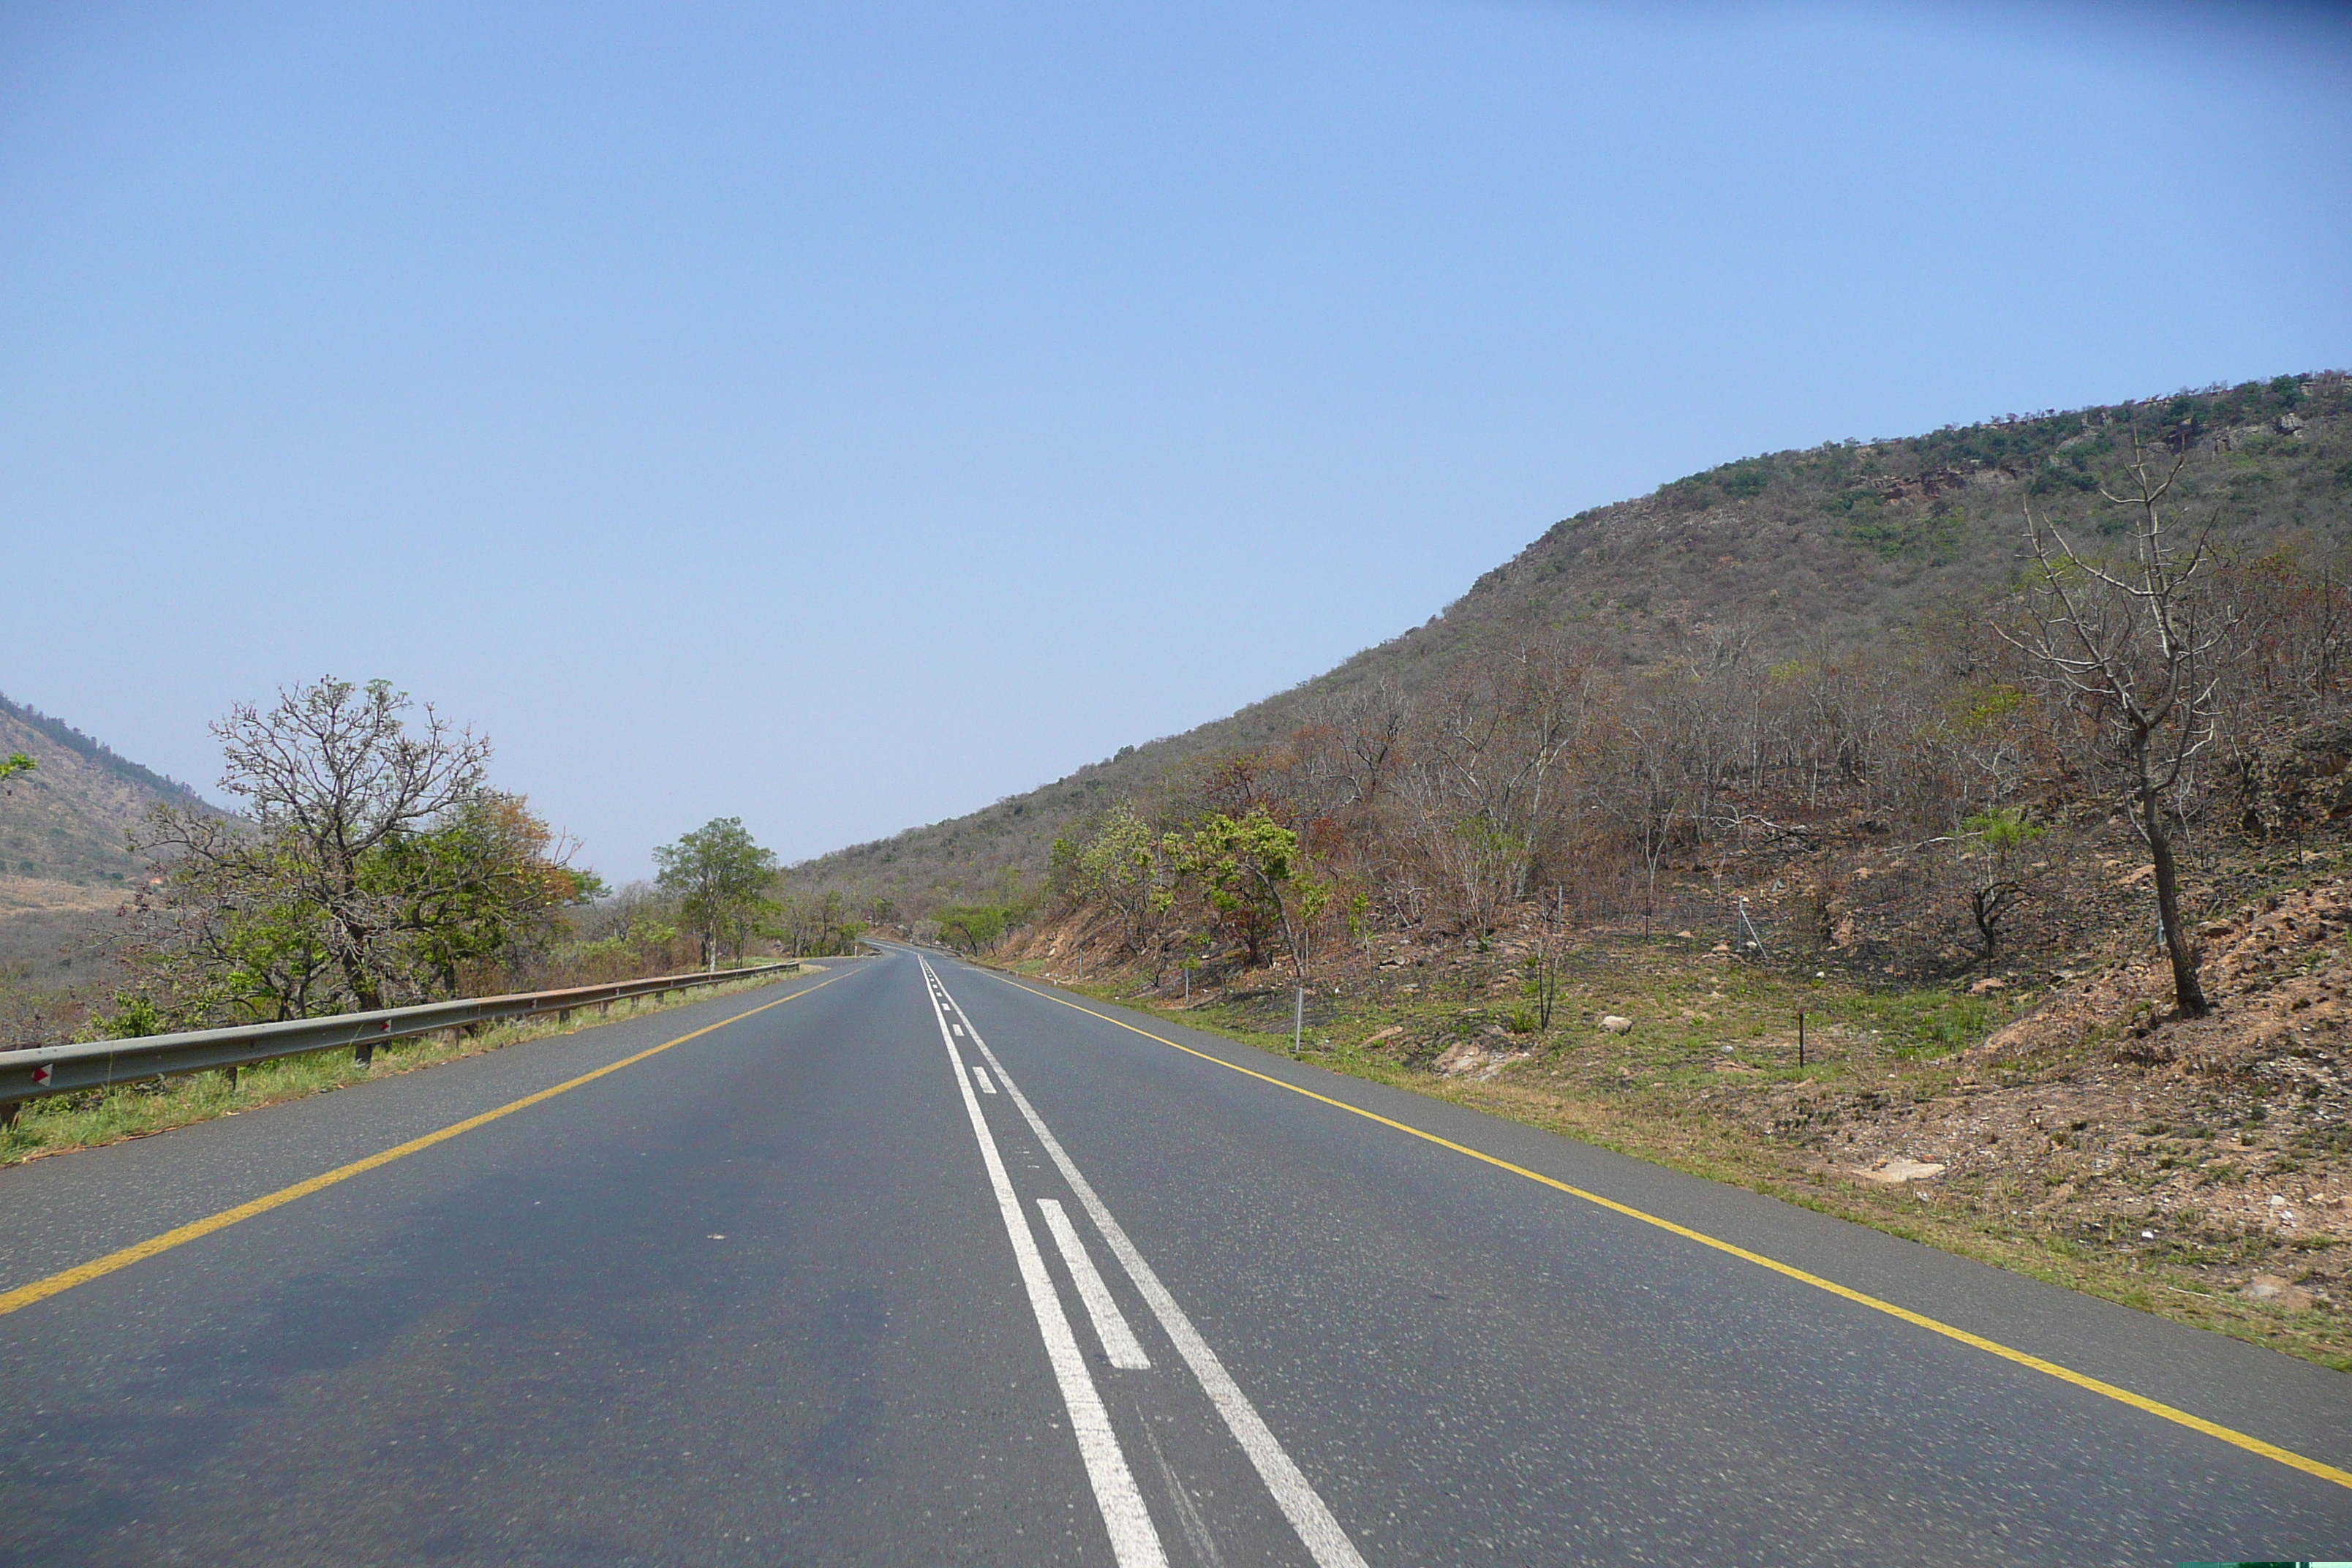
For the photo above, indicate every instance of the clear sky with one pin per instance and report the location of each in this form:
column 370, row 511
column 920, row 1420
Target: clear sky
column 844, row 416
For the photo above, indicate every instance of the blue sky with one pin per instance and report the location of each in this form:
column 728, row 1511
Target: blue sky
column 841, row 418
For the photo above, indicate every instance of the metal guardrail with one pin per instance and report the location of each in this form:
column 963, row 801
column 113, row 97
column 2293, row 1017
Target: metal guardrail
column 45, row 1070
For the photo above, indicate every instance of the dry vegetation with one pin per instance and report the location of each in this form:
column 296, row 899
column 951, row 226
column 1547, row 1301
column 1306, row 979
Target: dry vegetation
column 2032, row 1117
column 1758, row 745
column 1821, row 550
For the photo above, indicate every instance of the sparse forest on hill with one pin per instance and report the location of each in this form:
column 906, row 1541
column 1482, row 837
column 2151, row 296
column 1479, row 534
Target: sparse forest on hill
column 1608, row 771
column 1839, row 558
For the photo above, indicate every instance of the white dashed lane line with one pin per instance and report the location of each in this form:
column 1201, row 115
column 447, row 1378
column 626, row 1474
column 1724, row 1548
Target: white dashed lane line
column 1134, row 1543
column 1325, row 1541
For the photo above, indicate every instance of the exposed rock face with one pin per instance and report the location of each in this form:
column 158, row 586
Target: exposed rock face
column 2297, row 779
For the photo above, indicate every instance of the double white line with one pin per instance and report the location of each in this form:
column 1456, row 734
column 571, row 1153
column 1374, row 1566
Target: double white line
column 1133, row 1540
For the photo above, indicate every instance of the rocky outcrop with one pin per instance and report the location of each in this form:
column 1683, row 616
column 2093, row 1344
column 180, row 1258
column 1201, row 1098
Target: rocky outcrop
column 2292, row 781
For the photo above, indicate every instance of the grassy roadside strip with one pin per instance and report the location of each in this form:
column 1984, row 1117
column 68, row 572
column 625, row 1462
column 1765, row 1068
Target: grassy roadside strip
column 72, row 1121
column 1712, row 1148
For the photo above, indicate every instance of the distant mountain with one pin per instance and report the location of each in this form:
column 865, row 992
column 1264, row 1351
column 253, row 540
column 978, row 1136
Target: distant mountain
column 1785, row 551
column 67, row 821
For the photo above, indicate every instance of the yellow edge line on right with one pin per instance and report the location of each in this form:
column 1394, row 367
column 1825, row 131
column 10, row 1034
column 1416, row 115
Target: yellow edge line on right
column 97, row 1268
column 1992, row 1347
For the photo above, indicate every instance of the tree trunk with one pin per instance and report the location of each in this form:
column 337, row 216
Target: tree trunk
column 371, row 1000
column 2186, row 991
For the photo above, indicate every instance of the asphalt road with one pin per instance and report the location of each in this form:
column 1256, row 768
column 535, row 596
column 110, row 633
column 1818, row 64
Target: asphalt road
column 919, row 1265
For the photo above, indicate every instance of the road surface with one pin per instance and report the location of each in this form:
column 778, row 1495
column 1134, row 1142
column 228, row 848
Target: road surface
column 910, row 1262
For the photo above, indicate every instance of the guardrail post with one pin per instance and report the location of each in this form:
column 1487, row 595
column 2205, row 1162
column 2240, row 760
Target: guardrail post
column 8, row 1108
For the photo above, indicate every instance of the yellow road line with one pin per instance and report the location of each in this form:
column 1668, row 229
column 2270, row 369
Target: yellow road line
column 1992, row 1347
column 83, row 1273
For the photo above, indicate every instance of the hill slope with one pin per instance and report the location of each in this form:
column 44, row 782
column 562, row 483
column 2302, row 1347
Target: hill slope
column 1787, row 550
column 64, row 860
column 67, row 820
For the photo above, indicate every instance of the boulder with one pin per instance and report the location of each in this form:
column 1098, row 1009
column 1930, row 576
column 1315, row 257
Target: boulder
column 2278, row 1292
column 1463, row 1056
column 1894, row 1172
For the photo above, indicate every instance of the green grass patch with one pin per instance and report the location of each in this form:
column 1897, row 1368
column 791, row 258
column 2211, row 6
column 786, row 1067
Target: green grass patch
column 85, row 1120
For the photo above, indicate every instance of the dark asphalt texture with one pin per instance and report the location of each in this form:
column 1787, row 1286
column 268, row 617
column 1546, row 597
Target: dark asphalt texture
column 752, row 1301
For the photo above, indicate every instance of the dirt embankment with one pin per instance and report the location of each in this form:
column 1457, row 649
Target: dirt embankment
column 2058, row 1120
column 2223, row 1138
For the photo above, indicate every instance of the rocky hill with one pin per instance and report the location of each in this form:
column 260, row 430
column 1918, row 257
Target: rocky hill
column 1789, row 550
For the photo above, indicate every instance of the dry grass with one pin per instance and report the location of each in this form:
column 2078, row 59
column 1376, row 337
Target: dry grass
column 2056, row 1167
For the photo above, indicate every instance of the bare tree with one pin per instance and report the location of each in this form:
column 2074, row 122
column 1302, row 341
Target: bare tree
column 1541, row 970
column 1648, row 790
column 2136, row 651
column 1363, row 740
column 333, row 779
column 1488, row 767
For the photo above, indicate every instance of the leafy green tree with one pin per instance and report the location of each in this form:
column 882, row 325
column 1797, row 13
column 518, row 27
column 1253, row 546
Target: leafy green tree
column 480, row 885
column 1251, row 872
column 1119, row 866
column 815, row 923
column 17, row 762
column 721, row 878
column 225, row 939
column 587, row 887
column 972, row 928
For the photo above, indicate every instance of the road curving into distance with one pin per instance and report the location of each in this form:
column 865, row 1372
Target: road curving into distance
column 910, row 1262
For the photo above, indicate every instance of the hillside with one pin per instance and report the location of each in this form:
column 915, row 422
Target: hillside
column 1794, row 551
column 64, row 861
column 1779, row 827
column 67, row 820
